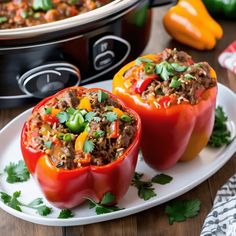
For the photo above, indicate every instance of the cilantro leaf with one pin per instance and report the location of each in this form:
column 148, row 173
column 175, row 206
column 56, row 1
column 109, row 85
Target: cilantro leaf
column 165, row 70
column 88, row 146
column 108, row 198
column 65, row 213
column 98, row 133
column 145, row 189
column 101, row 207
column 13, row 202
column 162, row 179
column 175, row 83
column 63, row 116
column 44, row 210
column 189, row 76
column 140, row 60
column 220, row 134
column 102, row 96
column 48, row 144
column 35, row 202
column 181, row 210
column 178, row 67
column 5, row 197
column 89, row 116
column 17, row 172
column 110, row 116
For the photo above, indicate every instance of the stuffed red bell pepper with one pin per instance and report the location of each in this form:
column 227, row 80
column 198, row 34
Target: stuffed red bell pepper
column 175, row 98
column 81, row 143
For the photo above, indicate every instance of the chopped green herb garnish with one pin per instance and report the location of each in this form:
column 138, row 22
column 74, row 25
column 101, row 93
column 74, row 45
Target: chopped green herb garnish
column 48, row 110
column 110, row 116
column 44, row 5
column 162, row 179
column 88, row 146
column 65, row 213
column 165, row 70
column 126, row 118
column 89, row 116
column 178, row 67
column 17, row 172
column 100, row 208
column 102, row 96
column 181, row 210
column 189, row 76
column 145, row 188
column 220, row 135
column 63, row 117
column 24, row 14
column 97, row 119
column 3, row 19
column 175, row 83
column 140, row 60
column 48, row 144
column 98, row 133
column 13, row 202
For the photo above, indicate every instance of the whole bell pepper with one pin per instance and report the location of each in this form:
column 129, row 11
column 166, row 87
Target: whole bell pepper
column 189, row 23
column 226, row 8
column 169, row 133
column 67, row 188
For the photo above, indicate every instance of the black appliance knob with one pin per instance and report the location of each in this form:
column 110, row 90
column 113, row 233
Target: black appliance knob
column 45, row 80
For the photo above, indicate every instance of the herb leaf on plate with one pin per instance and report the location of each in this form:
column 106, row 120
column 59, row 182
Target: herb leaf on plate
column 145, row 188
column 17, row 172
column 65, row 213
column 100, row 208
column 162, row 179
column 13, row 202
column 181, row 210
column 220, row 134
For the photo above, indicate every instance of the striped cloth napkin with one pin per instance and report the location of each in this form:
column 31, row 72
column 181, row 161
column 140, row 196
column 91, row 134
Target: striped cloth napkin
column 227, row 58
column 222, row 218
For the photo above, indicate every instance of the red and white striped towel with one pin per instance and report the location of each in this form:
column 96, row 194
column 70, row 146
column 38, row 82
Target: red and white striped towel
column 227, row 58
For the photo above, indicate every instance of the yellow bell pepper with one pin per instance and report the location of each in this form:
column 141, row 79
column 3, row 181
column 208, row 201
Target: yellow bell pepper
column 189, row 23
column 118, row 111
column 80, row 140
column 85, row 104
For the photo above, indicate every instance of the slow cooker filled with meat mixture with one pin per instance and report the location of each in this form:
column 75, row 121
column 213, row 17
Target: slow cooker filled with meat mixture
column 23, row 13
column 80, row 128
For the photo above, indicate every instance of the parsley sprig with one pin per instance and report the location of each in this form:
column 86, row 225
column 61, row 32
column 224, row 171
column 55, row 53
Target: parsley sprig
column 13, row 202
column 181, row 210
column 65, row 213
column 220, row 134
column 17, row 172
column 103, row 206
column 145, row 188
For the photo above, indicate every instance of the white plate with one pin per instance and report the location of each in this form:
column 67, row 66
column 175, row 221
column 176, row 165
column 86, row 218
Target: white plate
column 185, row 175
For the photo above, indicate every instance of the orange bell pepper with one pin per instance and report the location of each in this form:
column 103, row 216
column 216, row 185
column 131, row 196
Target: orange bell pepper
column 170, row 133
column 190, row 23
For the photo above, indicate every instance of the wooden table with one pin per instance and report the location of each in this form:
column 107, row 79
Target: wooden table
column 152, row 221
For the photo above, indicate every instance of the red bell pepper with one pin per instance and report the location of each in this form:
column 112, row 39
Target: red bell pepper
column 68, row 188
column 141, row 85
column 170, row 132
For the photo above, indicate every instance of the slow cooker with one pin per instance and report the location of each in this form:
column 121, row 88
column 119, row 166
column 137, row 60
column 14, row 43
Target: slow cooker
column 37, row 61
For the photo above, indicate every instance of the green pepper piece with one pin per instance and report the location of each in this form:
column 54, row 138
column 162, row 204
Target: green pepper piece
column 76, row 122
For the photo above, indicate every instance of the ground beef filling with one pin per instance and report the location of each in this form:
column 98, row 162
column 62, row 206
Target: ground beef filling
column 108, row 128
column 22, row 13
column 173, row 74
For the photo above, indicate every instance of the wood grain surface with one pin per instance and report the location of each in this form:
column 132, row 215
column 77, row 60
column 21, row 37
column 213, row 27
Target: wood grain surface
column 152, row 221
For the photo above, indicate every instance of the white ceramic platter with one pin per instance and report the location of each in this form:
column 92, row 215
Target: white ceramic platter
column 185, row 175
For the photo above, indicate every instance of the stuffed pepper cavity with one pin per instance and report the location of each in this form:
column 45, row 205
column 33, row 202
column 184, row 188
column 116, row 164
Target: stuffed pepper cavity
column 175, row 98
column 81, row 143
